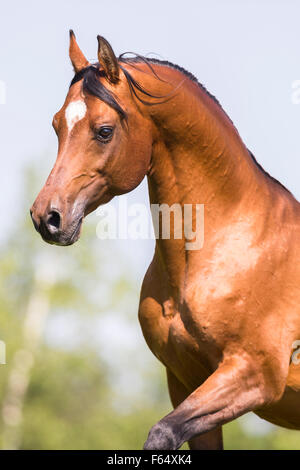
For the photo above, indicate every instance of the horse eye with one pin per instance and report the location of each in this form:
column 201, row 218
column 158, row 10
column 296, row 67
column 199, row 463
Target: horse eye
column 104, row 134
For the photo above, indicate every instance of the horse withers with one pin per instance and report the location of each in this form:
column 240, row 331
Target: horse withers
column 222, row 319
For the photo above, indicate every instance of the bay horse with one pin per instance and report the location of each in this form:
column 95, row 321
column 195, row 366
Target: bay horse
column 222, row 319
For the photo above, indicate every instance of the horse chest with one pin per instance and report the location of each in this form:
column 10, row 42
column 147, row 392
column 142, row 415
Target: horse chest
column 172, row 343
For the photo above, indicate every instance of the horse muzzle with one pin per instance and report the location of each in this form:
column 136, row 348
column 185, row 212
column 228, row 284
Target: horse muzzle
column 54, row 230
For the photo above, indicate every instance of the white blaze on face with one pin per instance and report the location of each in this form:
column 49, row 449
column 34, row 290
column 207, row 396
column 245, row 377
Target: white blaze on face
column 75, row 111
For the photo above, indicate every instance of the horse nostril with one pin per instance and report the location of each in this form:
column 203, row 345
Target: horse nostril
column 36, row 226
column 53, row 221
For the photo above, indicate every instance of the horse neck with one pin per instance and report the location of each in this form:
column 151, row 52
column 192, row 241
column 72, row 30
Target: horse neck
column 198, row 158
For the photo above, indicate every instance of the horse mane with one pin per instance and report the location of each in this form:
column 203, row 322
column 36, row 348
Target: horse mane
column 92, row 85
column 137, row 59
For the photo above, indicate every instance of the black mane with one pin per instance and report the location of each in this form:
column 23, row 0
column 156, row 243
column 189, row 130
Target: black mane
column 92, row 85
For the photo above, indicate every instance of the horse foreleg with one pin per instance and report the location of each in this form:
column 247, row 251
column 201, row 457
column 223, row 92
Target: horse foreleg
column 208, row 441
column 232, row 390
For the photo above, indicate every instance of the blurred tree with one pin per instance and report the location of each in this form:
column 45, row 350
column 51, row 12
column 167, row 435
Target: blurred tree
column 56, row 395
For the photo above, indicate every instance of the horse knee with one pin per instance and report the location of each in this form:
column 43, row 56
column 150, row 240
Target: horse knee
column 161, row 437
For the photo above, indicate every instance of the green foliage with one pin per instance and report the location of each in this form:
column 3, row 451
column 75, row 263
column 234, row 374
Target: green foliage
column 237, row 436
column 69, row 407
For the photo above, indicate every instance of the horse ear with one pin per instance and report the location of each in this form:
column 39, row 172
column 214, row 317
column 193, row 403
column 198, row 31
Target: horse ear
column 108, row 60
column 78, row 60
